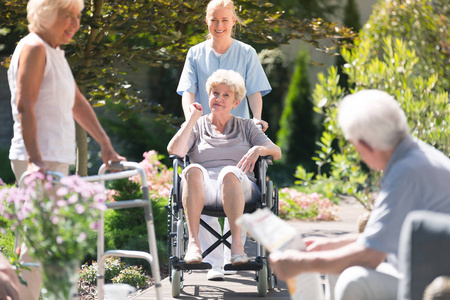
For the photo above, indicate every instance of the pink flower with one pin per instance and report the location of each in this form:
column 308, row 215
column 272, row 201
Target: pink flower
column 62, row 191
column 82, row 237
column 59, row 240
column 48, row 186
column 94, row 225
column 30, row 180
column 61, row 203
column 73, row 199
column 100, row 198
column 99, row 206
column 79, row 208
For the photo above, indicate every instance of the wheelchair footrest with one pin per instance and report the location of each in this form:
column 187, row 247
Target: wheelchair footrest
column 255, row 265
column 179, row 264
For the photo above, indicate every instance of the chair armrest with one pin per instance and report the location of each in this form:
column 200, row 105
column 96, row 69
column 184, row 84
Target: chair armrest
column 267, row 158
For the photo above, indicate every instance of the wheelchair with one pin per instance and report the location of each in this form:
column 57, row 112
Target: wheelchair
column 178, row 236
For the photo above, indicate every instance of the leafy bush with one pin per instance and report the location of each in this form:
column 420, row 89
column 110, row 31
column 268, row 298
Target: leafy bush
column 5, row 171
column 297, row 205
column 6, row 238
column 116, row 271
column 409, row 70
column 132, row 275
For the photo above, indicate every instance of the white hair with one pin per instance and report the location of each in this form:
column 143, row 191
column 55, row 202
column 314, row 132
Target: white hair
column 374, row 117
column 41, row 14
column 230, row 78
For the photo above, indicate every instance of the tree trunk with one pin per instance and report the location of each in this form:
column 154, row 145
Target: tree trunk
column 82, row 152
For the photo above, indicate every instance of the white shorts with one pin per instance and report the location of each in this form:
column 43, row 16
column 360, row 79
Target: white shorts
column 213, row 196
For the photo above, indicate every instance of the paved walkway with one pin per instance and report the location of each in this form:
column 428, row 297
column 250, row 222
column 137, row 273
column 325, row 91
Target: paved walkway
column 243, row 284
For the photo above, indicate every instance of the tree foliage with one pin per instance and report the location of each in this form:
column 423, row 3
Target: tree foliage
column 423, row 24
column 275, row 65
column 382, row 60
column 351, row 20
column 297, row 132
column 115, row 35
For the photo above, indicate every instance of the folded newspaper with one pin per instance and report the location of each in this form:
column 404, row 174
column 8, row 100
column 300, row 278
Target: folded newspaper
column 274, row 234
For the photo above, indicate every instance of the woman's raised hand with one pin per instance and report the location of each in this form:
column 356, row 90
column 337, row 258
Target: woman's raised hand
column 196, row 110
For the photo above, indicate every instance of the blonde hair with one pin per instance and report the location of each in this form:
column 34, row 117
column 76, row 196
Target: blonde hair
column 230, row 78
column 215, row 4
column 41, row 14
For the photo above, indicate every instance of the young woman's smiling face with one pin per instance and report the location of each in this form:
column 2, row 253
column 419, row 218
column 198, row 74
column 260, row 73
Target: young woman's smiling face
column 220, row 22
column 222, row 99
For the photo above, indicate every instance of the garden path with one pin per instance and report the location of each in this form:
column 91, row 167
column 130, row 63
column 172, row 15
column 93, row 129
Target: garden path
column 243, row 285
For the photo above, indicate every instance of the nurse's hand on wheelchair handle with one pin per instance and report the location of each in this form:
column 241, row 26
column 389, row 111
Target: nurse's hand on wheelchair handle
column 261, row 124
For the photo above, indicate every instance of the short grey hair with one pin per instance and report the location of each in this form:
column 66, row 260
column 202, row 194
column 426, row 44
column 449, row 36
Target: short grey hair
column 230, row 78
column 41, row 14
column 375, row 117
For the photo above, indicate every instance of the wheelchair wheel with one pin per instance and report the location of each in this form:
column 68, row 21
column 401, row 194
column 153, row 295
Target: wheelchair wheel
column 176, row 283
column 262, row 281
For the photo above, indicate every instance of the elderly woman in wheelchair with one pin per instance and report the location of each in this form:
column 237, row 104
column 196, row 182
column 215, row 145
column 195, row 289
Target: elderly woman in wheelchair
column 223, row 150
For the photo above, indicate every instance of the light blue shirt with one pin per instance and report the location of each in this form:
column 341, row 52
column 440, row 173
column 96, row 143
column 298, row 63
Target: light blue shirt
column 202, row 61
column 417, row 177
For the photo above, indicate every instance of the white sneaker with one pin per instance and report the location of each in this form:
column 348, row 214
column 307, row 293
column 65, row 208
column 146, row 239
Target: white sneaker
column 229, row 272
column 216, row 273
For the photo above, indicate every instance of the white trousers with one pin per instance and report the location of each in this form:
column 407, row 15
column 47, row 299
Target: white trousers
column 359, row 283
column 222, row 254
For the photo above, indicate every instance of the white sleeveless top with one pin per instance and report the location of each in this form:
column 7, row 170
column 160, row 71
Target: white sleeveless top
column 53, row 109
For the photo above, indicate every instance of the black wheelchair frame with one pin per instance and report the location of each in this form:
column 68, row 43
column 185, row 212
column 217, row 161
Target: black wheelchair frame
column 178, row 237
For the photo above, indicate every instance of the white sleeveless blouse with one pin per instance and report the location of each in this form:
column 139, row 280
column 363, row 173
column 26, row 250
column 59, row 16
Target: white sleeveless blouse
column 54, row 117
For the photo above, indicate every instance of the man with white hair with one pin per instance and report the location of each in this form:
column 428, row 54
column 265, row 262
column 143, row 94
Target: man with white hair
column 416, row 177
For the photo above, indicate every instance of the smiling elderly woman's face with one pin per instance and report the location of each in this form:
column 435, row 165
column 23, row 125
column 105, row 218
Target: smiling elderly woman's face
column 226, row 89
column 222, row 98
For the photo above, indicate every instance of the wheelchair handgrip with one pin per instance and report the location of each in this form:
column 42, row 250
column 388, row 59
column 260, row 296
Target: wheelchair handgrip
column 177, row 160
column 267, row 158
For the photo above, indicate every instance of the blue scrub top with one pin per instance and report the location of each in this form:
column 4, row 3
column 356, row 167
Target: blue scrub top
column 202, row 61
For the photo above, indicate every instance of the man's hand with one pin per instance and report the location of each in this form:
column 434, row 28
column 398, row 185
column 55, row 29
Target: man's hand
column 287, row 264
column 318, row 244
column 324, row 243
column 9, row 282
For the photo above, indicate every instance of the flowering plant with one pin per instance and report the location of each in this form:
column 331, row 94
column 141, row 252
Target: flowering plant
column 295, row 204
column 54, row 218
column 159, row 177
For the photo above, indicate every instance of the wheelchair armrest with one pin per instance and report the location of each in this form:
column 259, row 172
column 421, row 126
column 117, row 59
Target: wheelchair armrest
column 176, row 160
column 267, row 158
